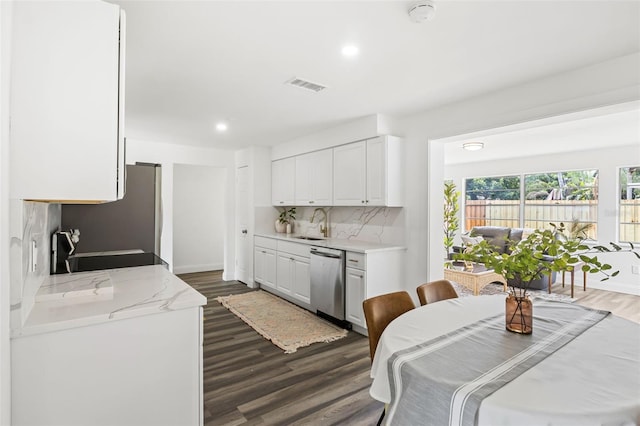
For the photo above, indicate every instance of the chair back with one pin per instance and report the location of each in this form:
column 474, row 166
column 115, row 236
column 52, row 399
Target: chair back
column 436, row 291
column 379, row 311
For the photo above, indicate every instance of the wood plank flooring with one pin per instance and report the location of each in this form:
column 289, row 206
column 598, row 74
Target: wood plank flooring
column 249, row 381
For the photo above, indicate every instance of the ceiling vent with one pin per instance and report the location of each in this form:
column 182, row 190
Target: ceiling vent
column 304, row 84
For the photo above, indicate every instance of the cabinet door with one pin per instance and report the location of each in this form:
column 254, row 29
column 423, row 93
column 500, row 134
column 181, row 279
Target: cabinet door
column 304, row 176
column 322, row 179
column 376, row 172
column 355, row 294
column 265, row 267
column 301, row 279
column 313, row 183
column 67, row 103
column 284, row 280
column 283, row 178
column 349, row 174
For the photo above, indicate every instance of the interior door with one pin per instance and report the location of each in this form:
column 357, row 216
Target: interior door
column 244, row 248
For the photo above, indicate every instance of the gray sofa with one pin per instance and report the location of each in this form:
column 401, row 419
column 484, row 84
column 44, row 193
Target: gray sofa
column 500, row 238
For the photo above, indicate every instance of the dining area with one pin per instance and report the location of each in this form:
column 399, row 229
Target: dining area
column 453, row 361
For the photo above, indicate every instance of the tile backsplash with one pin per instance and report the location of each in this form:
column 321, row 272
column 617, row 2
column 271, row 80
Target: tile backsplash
column 384, row 225
column 31, row 226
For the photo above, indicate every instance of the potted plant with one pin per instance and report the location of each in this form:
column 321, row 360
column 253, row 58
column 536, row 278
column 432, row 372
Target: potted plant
column 541, row 253
column 286, row 217
column 451, row 221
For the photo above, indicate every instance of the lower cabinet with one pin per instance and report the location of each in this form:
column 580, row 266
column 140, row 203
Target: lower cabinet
column 282, row 267
column 368, row 275
column 293, row 276
column 144, row 370
column 265, row 267
column 355, row 283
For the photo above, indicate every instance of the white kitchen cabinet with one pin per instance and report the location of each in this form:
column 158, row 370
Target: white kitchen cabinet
column 145, row 370
column 368, row 275
column 369, row 173
column 355, row 291
column 349, row 174
column 293, row 276
column 283, row 178
column 265, row 267
column 314, row 177
column 67, row 101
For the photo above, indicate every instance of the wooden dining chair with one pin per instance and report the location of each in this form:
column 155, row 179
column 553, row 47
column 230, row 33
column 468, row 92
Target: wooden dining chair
column 436, row 291
column 379, row 311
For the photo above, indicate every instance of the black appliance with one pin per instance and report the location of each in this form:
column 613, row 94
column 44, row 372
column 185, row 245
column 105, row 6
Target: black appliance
column 63, row 245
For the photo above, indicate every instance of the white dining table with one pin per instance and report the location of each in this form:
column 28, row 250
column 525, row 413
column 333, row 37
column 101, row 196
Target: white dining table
column 592, row 380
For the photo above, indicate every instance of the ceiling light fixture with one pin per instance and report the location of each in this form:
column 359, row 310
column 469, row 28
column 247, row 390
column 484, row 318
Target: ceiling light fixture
column 350, row 50
column 221, row 127
column 473, row 146
column 422, row 11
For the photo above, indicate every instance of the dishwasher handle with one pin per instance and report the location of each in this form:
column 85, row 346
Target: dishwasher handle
column 325, row 254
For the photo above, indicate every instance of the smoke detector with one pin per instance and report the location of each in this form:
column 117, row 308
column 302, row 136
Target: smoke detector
column 422, row 11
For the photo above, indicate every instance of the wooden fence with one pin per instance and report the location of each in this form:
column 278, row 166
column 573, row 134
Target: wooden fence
column 538, row 214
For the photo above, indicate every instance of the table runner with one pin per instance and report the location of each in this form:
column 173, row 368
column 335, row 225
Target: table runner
column 447, row 378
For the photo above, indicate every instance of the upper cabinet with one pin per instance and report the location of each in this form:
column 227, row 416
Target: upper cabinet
column 369, row 173
column 67, row 101
column 313, row 183
column 283, row 179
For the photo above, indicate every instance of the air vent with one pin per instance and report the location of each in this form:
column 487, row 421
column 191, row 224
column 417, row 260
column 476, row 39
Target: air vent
column 304, row 84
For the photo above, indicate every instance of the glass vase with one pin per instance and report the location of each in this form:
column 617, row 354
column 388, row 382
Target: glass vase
column 519, row 314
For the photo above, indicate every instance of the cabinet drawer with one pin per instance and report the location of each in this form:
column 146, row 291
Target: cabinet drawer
column 265, row 242
column 294, row 248
column 355, row 260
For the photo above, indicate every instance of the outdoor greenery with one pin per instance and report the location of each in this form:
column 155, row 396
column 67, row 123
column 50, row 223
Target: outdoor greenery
column 451, row 221
column 629, row 175
column 493, row 188
column 542, row 253
column 572, row 185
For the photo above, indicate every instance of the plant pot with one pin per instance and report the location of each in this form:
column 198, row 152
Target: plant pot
column 519, row 314
column 281, row 227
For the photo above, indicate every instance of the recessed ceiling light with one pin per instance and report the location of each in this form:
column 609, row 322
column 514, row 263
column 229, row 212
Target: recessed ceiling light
column 473, row 146
column 221, row 127
column 350, row 50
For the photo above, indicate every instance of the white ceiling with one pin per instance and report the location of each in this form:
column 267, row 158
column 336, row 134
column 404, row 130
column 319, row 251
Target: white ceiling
column 192, row 63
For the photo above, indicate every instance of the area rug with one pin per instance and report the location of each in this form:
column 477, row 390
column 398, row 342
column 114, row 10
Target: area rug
column 496, row 288
column 288, row 326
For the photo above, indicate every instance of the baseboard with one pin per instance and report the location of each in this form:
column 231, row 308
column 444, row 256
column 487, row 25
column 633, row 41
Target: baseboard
column 618, row 287
column 187, row 269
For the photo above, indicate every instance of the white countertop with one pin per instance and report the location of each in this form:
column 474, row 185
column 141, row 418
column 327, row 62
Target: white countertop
column 134, row 292
column 336, row 243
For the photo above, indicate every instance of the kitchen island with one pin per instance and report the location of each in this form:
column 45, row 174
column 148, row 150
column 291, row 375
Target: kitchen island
column 121, row 346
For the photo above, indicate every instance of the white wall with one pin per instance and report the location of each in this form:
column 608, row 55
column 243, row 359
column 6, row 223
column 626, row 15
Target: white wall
column 606, row 161
column 5, row 361
column 199, row 220
column 607, row 83
column 168, row 155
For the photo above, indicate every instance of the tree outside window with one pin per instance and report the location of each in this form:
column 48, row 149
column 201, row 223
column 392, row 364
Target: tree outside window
column 629, row 204
column 570, row 197
column 492, row 201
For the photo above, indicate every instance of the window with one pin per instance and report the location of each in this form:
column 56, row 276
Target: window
column 492, row 201
column 568, row 197
column 630, row 204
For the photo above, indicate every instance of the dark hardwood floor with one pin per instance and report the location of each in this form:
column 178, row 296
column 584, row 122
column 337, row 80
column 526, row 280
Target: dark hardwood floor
column 249, row 381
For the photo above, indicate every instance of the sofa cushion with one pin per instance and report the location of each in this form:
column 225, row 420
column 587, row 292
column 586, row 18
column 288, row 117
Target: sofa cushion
column 497, row 236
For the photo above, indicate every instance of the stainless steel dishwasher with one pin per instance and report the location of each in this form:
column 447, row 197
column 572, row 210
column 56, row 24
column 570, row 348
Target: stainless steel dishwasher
column 327, row 281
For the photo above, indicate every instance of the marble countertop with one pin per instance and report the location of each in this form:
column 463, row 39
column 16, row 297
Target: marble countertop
column 336, row 243
column 86, row 298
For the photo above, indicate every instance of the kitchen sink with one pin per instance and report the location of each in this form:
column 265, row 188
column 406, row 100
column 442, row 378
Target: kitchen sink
column 304, row 237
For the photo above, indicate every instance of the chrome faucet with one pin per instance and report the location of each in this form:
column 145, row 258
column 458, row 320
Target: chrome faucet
column 323, row 229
